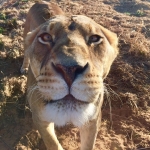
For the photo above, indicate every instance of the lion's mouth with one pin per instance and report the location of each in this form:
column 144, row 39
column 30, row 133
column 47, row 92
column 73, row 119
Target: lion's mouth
column 67, row 98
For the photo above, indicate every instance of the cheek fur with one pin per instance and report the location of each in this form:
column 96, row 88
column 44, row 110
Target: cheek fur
column 41, row 51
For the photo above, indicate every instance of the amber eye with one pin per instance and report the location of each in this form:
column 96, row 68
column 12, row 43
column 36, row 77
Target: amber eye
column 96, row 39
column 45, row 38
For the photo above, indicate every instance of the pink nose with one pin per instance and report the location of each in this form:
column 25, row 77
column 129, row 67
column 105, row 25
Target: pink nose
column 69, row 73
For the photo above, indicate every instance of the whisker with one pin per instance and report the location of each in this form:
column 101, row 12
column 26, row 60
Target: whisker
column 37, row 76
column 31, row 89
column 39, row 98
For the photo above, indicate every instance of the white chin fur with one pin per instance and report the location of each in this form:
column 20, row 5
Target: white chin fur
column 77, row 115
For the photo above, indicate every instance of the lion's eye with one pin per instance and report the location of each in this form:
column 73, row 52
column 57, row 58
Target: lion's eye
column 45, row 38
column 96, row 39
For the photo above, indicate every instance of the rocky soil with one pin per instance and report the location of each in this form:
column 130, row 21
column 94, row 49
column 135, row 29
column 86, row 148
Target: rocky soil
column 126, row 108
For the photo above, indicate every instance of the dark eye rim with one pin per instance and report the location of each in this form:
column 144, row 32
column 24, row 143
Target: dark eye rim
column 42, row 34
column 97, row 40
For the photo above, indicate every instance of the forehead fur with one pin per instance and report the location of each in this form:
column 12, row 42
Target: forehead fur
column 82, row 19
column 71, row 22
column 77, row 18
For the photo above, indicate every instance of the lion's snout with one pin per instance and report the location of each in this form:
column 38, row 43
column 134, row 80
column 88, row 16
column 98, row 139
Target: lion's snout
column 69, row 73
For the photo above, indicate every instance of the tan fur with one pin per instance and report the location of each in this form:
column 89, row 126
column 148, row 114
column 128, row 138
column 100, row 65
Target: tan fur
column 42, row 11
column 65, row 77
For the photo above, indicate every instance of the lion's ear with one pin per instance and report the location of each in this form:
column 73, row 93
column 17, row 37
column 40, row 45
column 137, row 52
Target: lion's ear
column 30, row 37
column 113, row 41
column 111, row 37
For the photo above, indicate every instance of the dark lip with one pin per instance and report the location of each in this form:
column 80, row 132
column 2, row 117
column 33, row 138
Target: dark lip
column 68, row 97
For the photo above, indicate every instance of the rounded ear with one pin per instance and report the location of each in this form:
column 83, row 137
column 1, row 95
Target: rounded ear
column 111, row 37
column 30, row 37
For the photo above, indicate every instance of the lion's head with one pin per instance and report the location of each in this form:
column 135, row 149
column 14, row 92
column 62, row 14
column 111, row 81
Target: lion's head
column 69, row 58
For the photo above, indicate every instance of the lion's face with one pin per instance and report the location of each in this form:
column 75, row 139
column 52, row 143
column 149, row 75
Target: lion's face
column 70, row 57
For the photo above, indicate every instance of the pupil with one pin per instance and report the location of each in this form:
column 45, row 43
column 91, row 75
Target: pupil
column 94, row 38
column 46, row 37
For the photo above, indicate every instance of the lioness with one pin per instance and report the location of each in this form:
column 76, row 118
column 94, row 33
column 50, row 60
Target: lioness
column 69, row 57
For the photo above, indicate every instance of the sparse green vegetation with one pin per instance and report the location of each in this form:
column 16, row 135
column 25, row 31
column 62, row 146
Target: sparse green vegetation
column 127, row 13
column 2, row 16
column 1, row 30
column 11, row 24
column 8, row 25
column 1, row 44
column 140, row 13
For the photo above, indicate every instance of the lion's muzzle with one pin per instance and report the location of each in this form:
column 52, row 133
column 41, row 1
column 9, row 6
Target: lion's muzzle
column 69, row 73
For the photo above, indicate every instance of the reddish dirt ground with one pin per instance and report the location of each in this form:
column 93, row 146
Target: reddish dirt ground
column 126, row 108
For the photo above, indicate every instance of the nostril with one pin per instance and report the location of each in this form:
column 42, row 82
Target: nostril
column 60, row 69
column 79, row 70
column 69, row 73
